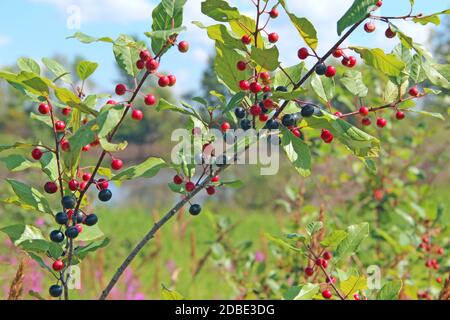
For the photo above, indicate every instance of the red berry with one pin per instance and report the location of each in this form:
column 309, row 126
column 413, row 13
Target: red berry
column 44, row 108
column 102, row 184
column 244, row 85
column 73, row 185
column 327, row 136
column 83, row 185
column 65, row 145
column 439, row 280
column 137, row 115
column 425, row 239
column 66, row 111
column 381, row 122
column 51, row 187
column 366, row 122
column 268, row 103
column 163, row 81
column 318, row 262
column 265, row 76
column 111, row 102
column 390, row 33
column 37, row 154
column 274, row 13
column 338, row 53
column 60, row 126
column 255, row 110
column 263, row 117
column 117, row 164
column 150, row 100
column 400, row 115
column 255, row 87
column 345, row 61
column 151, row 65
column 370, row 27
column 121, row 89
column 246, row 39
column 414, row 91
column 58, row 265
column 325, row 263
column 145, row 55
column 172, row 80
column 273, row 37
column 339, row 114
column 211, row 190
column 309, row 271
column 266, row 89
column 79, row 228
column 356, row 296
column 364, row 111
column 352, row 62
column 225, row 127
column 178, row 179
column 330, row 279
column 440, row 251
column 183, row 46
column 215, row 179
column 95, row 143
column 190, row 186
column 327, row 294
column 140, row 64
column 327, row 255
column 241, row 65
column 297, row 132
column 303, row 53
column 87, row 176
column 330, row 72
column 379, row 3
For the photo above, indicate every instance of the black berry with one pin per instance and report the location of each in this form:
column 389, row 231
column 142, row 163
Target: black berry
column 308, row 111
column 246, row 124
column 195, row 209
column 240, row 113
column 272, row 124
column 321, row 69
column 91, row 220
column 289, row 120
column 72, row 232
column 78, row 217
column 57, row 236
column 69, row 202
column 61, row 218
column 55, row 291
column 105, row 195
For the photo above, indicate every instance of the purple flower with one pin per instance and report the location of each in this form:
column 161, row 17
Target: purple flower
column 259, row 256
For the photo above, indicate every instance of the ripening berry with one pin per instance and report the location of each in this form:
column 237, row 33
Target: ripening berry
column 339, row 114
column 327, row 255
column 140, row 64
column 111, row 102
column 263, row 117
column 172, row 80
column 163, row 81
column 44, row 108
column 58, row 265
column 178, row 179
column 225, row 127
column 255, row 110
column 370, row 27
column 150, row 100
column 303, row 53
column 327, row 294
column 330, row 72
column 37, row 154
column 145, row 55
column 390, row 33
column 379, row 3
column 381, row 122
column 215, row 179
column 297, row 132
column 211, row 190
column 266, row 89
column 73, row 185
column 327, row 136
column 400, row 115
column 440, row 251
column 439, row 280
column 246, row 39
column 255, row 87
column 121, row 89
column 102, row 184
column 190, row 186
column 87, row 176
column 244, row 85
column 309, row 271
column 183, row 46
column 338, row 53
column 137, row 115
column 65, row 145
column 117, row 164
column 366, row 122
column 60, row 126
column 364, row 111
column 352, row 62
column 265, row 76
column 83, row 185
column 356, row 296
column 241, row 65
column 66, row 111
column 51, row 188
column 151, row 65
column 324, row 263
column 273, row 37
column 318, row 262
column 274, row 13
column 414, row 92
column 79, row 228
column 268, row 103
column 330, row 280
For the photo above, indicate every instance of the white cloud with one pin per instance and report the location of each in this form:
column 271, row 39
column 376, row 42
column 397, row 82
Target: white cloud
column 4, row 40
column 118, row 11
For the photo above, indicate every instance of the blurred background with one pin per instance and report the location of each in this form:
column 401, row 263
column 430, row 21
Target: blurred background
column 225, row 253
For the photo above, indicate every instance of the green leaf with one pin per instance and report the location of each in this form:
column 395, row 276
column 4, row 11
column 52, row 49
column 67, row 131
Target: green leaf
column 82, row 252
column 390, row 291
column 225, row 67
column 164, row 105
column 220, row 33
column 90, row 233
column 29, row 65
column 313, row 227
column 108, row 118
column 70, row 99
column 348, row 246
column 84, row 38
column 323, row 87
column 58, row 70
column 359, row 10
column 295, row 73
column 436, row 73
column 429, row 114
column 282, row 243
column 432, row 18
column 305, row 292
column 219, row 10
column 266, row 58
column 49, row 165
column 388, row 64
column 352, row 285
column 85, row 69
column 30, row 196
column 147, row 169
column 235, row 101
column 297, row 152
column 167, row 294
column 17, row 145
column 353, row 82
column 81, row 138
column 237, row 184
column 20, row 233
column 126, row 56
column 304, row 27
column 241, row 26
column 334, row 238
column 16, row 163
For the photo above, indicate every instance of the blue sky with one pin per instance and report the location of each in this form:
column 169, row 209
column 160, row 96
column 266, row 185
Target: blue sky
column 38, row 28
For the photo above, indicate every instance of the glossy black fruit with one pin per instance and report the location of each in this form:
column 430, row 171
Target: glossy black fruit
column 195, row 209
column 272, row 124
column 61, row 218
column 308, row 111
column 240, row 113
column 69, row 202
column 282, row 89
column 57, row 236
column 91, row 220
column 246, row 124
column 289, row 120
column 78, row 217
column 56, row 291
column 72, row 232
column 321, row 69
column 105, row 195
